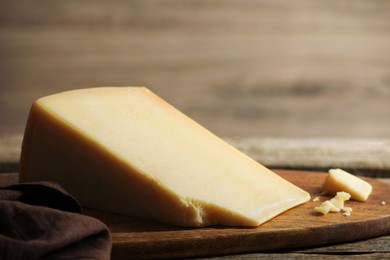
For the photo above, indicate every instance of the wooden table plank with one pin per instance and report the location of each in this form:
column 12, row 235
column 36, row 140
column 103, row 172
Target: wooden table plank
column 368, row 157
column 361, row 156
column 376, row 245
column 292, row 255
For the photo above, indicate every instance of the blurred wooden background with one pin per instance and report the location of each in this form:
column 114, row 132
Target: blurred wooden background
column 241, row 68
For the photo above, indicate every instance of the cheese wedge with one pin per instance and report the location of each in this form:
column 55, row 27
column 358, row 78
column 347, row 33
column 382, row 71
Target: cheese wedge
column 340, row 180
column 125, row 150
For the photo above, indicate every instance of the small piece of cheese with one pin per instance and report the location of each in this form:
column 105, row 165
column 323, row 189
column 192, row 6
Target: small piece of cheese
column 326, row 207
column 335, row 204
column 340, row 180
column 125, row 150
column 342, row 196
column 346, row 211
column 338, row 200
column 316, row 199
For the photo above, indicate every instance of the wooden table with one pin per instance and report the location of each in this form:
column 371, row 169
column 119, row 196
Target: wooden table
column 363, row 157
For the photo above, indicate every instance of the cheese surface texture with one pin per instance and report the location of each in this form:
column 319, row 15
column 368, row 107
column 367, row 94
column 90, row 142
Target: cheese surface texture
column 340, row 180
column 335, row 204
column 125, row 150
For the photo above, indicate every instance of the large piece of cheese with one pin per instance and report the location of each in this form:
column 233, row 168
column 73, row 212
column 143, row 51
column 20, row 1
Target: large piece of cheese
column 125, row 150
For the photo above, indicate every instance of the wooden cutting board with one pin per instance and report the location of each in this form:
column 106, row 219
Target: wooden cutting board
column 298, row 227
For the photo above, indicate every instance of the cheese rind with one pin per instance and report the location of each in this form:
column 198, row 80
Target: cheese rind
column 125, row 150
column 340, row 180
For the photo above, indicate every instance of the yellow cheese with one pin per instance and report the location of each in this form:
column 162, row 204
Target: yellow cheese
column 125, row 150
column 339, row 180
column 347, row 211
column 335, row 204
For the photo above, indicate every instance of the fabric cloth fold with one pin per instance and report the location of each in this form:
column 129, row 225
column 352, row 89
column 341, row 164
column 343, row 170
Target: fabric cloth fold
column 42, row 221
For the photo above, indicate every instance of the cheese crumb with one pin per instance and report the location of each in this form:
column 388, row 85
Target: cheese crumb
column 335, row 204
column 346, row 211
column 342, row 196
column 326, row 207
column 316, row 199
column 383, row 203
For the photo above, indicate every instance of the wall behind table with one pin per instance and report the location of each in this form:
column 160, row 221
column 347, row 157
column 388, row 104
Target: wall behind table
column 241, row 68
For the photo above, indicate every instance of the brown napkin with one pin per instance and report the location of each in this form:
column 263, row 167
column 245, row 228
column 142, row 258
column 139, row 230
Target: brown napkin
column 42, row 221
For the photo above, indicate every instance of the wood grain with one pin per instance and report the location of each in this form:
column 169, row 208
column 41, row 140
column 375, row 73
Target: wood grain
column 241, row 68
column 298, row 227
column 368, row 157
